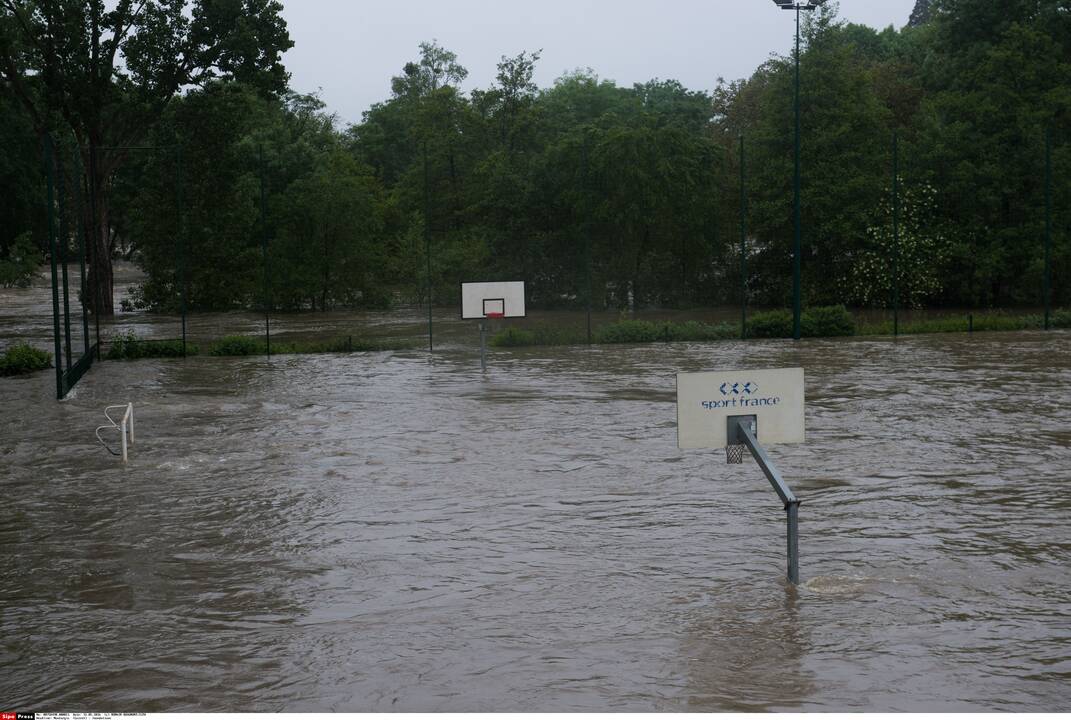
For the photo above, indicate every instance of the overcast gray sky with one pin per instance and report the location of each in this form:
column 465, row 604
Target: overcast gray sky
column 349, row 49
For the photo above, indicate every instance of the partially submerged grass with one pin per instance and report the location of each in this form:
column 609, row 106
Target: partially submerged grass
column 255, row 345
column 128, row 346
column 831, row 321
column 539, row 335
column 22, row 359
column 622, row 331
column 981, row 322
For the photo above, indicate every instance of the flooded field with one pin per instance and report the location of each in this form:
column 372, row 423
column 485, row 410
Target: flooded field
column 398, row 531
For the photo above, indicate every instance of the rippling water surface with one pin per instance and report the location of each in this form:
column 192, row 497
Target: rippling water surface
column 397, row 531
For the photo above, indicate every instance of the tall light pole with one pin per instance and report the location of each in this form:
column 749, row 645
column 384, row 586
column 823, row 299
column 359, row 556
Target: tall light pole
column 797, row 305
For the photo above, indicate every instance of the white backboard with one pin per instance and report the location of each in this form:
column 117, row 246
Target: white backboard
column 706, row 400
column 480, row 298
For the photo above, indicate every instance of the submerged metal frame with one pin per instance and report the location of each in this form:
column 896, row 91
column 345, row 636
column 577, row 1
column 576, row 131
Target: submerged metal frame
column 743, row 430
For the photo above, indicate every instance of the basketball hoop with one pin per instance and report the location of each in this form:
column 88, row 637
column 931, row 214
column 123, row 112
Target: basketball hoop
column 494, row 315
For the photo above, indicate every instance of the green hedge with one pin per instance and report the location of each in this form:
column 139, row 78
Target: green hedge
column 22, row 359
column 828, row 321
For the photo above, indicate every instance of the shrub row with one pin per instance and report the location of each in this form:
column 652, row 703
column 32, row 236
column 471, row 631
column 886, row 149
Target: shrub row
column 21, row 359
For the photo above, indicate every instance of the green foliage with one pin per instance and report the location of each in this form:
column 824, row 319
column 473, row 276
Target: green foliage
column 770, row 324
column 105, row 72
column 830, row 321
column 1060, row 319
column 621, row 197
column 128, row 346
column 20, row 264
column 539, row 335
column 641, row 331
column 920, row 257
column 22, row 359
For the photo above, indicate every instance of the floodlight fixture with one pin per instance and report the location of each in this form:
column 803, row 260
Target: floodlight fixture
column 792, row 5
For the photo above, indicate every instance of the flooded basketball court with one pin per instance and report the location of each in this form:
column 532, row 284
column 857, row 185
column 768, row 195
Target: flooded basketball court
column 398, row 531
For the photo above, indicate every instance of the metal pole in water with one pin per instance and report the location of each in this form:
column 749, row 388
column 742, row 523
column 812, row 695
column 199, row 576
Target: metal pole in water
column 792, row 511
column 483, row 346
column 742, row 429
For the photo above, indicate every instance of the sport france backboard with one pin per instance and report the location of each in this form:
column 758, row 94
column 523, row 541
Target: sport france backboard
column 480, row 299
column 706, row 400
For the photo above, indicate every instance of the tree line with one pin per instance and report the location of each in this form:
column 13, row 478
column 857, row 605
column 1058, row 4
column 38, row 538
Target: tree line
column 650, row 195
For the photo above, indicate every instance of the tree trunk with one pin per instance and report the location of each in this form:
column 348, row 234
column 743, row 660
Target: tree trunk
column 100, row 279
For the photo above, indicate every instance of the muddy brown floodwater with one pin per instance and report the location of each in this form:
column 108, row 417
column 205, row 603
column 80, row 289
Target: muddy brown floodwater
column 397, row 531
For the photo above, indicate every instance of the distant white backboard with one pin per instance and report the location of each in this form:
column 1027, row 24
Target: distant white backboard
column 706, row 400
column 479, row 299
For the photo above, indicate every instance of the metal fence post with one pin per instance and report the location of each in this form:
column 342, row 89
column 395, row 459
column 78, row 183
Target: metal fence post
column 181, row 202
column 743, row 244
column 585, row 182
column 264, row 251
column 82, row 260
column 95, row 231
column 896, row 233
column 427, row 242
column 64, row 235
column 1047, row 284
column 49, row 180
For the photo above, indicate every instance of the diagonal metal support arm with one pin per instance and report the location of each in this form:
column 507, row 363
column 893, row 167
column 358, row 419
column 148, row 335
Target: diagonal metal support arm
column 742, row 430
column 746, row 433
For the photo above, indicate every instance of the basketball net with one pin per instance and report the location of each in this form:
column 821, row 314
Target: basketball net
column 734, row 454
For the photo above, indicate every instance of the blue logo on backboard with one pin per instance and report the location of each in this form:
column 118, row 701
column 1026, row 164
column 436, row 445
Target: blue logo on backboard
column 736, row 388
